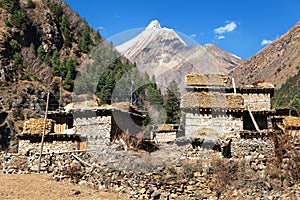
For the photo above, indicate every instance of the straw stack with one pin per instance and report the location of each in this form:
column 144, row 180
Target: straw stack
column 164, row 127
column 291, row 121
column 206, row 80
column 212, row 100
column 36, row 126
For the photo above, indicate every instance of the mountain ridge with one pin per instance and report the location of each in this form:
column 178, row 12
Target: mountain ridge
column 162, row 53
column 274, row 63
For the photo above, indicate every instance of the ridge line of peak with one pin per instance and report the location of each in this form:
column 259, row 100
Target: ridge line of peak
column 154, row 24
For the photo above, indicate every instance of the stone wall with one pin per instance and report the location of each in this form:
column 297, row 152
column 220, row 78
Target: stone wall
column 96, row 129
column 257, row 102
column 252, row 148
column 221, row 124
column 54, row 146
column 165, row 136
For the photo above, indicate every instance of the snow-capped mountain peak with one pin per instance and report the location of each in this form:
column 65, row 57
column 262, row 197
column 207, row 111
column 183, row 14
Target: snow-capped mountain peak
column 161, row 52
column 154, row 24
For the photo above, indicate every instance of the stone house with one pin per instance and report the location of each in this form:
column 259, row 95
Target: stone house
column 54, row 140
column 212, row 108
column 90, row 128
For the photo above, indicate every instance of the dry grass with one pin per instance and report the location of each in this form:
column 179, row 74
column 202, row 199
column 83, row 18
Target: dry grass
column 39, row 187
column 212, row 100
column 206, row 80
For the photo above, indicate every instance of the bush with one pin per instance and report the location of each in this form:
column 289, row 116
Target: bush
column 287, row 154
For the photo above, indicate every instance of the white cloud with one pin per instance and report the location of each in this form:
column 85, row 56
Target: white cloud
column 220, row 37
column 265, row 42
column 229, row 27
column 100, row 28
column 193, row 35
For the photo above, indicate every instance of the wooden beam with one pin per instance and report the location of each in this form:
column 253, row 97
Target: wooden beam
column 43, row 136
column 253, row 120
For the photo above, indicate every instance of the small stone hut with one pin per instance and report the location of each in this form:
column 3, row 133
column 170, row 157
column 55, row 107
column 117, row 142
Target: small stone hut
column 91, row 128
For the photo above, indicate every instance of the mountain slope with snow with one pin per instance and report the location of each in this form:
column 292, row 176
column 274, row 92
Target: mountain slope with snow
column 161, row 52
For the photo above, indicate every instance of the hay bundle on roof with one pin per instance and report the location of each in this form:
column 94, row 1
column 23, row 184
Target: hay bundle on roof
column 206, row 80
column 164, row 127
column 212, row 100
column 36, row 126
column 291, row 121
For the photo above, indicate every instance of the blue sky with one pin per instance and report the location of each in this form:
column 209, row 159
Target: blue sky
column 239, row 27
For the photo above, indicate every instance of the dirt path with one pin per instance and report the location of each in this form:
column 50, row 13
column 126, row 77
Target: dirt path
column 38, row 187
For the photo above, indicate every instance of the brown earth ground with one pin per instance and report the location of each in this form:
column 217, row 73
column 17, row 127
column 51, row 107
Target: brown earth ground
column 42, row 186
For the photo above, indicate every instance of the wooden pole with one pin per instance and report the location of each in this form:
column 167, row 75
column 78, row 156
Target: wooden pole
column 253, row 120
column 233, row 85
column 43, row 135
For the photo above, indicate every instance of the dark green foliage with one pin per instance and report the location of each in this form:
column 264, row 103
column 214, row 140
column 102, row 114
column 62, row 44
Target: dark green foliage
column 42, row 54
column 18, row 17
column 68, row 82
column 16, row 56
column 65, row 30
column 97, row 38
column 288, row 95
column 15, row 46
column 7, row 22
column 17, row 59
column 85, row 41
column 63, row 68
column 32, row 48
column 55, row 62
column 172, row 104
column 10, row 5
column 56, row 8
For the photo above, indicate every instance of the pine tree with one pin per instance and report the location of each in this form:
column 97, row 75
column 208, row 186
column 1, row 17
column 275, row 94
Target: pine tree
column 84, row 41
column 63, row 68
column 55, row 63
column 70, row 66
column 172, row 104
column 41, row 53
column 68, row 82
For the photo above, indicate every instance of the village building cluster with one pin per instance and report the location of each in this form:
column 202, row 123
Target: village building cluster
column 211, row 109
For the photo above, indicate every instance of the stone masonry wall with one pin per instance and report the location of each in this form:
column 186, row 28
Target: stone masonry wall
column 165, row 136
column 252, row 148
column 221, row 124
column 55, row 146
column 257, row 102
column 96, row 129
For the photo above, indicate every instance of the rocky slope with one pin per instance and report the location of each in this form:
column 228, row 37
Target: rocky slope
column 275, row 63
column 42, row 46
column 161, row 52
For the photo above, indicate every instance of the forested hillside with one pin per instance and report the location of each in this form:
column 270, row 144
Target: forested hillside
column 288, row 95
column 47, row 47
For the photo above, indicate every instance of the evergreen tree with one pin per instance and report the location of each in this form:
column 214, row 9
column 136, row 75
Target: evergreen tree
column 172, row 104
column 65, row 30
column 84, row 41
column 63, row 68
column 55, row 63
column 41, row 53
column 70, row 66
column 68, row 82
